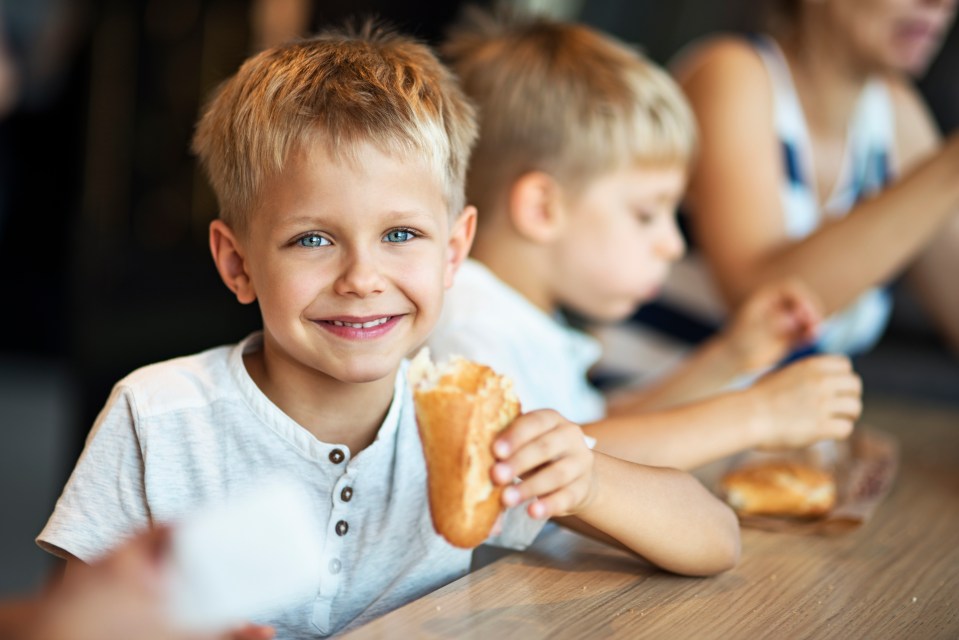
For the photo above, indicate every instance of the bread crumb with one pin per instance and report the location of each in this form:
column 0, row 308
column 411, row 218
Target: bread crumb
column 914, row 598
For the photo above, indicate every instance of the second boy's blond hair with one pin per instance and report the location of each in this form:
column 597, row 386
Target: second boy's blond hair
column 565, row 99
column 340, row 89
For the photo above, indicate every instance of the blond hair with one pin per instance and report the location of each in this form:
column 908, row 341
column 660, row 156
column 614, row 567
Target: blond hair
column 562, row 98
column 342, row 88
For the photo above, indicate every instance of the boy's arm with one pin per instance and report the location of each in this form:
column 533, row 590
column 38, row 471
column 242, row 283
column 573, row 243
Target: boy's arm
column 104, row 500
column 73, row 566
column 701, row 374
column 664, row 515
column 774, row 321
column 812, row 399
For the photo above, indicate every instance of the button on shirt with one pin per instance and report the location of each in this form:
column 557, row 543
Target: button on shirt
column 486, row 320
column 187, row 432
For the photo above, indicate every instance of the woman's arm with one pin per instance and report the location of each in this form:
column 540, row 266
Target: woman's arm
column 735, row 194
column 933, row 275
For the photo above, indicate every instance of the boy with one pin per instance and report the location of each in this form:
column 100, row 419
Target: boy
column 580, row 164
column 339, row 165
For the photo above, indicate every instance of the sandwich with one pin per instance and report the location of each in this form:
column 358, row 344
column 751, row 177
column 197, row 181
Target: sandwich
column 460, row 408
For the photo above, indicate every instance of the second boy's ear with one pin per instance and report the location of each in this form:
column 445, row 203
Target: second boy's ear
column 228, row 256
column 535, row 207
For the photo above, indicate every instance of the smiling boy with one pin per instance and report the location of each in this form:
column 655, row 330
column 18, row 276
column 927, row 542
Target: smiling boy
column 339, row 165
column 343, row 299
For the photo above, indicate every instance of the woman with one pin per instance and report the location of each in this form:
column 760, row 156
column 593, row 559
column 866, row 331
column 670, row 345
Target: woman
column 820, row 161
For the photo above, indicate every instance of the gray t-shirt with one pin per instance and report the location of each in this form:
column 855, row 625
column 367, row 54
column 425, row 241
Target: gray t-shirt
column 194, row 430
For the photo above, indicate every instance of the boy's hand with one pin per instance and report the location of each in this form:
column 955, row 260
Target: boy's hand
column 549, row 454
column 813, row 399
column 774, row 320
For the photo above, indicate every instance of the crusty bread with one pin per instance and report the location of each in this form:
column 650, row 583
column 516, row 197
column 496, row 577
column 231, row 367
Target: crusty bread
column 460, row 407
column 780, row 488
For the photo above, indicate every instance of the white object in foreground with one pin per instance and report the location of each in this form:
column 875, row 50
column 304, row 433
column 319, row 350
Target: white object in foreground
column 254, row 554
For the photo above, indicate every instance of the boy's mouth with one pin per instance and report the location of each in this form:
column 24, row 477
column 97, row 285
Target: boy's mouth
column 359, row 328
column 361, row 325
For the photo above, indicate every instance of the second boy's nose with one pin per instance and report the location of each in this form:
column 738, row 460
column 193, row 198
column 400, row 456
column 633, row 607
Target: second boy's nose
column 671, row 244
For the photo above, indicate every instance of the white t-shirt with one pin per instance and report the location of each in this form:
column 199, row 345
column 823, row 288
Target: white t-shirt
column 197, row 429
column 485, row 320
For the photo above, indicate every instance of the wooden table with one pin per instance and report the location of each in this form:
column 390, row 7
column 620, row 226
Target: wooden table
column 895, row 577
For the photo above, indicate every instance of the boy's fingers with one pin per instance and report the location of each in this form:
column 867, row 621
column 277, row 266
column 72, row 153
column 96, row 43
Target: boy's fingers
column 523, row 429
column 847, row 407
column 804, row 315
column 555, row 504
column 786, row 325
column 803, row 296
column 551, row 478
column 539, row 510
column 559, row 442
column 831, row 363
column 849, row 385
column 839, row 428
column 808, row 312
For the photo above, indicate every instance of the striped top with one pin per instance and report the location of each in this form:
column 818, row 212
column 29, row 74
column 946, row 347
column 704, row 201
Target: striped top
column 691, row 299
column 866, row 168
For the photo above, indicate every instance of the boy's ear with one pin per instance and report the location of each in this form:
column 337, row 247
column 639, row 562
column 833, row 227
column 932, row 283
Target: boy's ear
column 461, row 239
column 228, row 256
column 535, row 207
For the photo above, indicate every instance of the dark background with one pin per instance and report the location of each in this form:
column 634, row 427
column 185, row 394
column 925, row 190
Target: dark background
column 104, row 213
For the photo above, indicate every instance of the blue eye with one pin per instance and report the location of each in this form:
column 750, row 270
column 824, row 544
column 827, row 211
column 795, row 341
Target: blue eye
column 400, row 235
column 312, row 240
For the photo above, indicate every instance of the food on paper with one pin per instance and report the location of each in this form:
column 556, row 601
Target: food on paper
column 780, row 488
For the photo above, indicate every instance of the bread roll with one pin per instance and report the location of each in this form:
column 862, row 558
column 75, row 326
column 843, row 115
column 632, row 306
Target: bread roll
column 780, row 488
column 460, row 407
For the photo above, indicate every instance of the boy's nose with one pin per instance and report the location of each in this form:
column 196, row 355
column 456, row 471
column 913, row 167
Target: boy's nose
column 359, row 277
column 672, row 246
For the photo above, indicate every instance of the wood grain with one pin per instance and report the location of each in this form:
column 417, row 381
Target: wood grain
column 895, row 577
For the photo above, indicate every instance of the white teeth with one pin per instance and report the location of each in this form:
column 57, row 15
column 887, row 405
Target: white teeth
column 361, row 325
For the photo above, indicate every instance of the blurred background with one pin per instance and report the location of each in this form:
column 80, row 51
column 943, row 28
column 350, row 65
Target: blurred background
column 104, row 213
